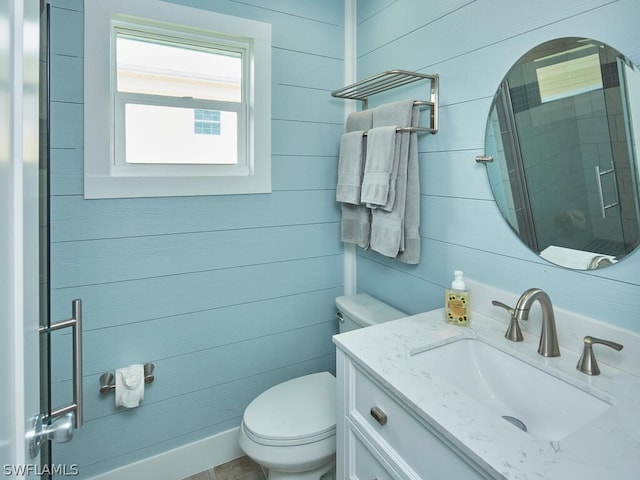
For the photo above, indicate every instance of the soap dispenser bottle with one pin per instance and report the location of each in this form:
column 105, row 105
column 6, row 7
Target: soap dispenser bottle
column 457, row 302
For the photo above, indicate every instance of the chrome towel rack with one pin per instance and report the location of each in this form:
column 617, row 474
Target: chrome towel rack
column 388, row 80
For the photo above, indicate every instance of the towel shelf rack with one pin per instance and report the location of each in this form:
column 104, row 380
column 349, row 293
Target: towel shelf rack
column 387, row 80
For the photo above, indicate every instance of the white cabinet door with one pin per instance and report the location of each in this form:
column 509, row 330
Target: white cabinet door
column 379, row 438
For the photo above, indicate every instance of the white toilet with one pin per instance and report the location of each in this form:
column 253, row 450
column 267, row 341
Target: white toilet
column 291, row 428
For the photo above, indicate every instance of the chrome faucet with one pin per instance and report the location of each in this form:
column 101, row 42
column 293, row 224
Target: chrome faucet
column 548, row 346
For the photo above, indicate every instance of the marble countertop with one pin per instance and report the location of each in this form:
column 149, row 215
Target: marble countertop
column 607, row 447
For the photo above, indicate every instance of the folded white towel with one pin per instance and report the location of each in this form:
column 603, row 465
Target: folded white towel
column 381, row 160
column 350, row 165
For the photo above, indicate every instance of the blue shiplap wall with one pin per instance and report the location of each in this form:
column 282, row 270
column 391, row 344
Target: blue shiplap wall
column 227, row 295
column 471, row 45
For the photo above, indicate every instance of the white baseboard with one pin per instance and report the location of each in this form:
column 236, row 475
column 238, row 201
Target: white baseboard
column 182, row 462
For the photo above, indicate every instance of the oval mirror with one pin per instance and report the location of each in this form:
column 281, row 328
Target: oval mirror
column 560, row 152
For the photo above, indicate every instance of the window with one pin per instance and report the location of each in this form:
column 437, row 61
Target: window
column 569, row 73
column 206, row 122
column 180, row 107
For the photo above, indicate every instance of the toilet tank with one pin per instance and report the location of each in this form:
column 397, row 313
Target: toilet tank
column 363, row 310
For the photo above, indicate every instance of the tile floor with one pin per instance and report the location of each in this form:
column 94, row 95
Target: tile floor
column 242, row 468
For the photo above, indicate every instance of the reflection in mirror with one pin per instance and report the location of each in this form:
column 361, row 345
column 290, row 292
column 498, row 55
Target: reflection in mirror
column 565, row 164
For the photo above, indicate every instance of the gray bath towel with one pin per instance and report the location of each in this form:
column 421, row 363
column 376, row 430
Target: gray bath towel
column 350, row 165
column 381, row 160
column 392, row 114
column 355, row 223
column 394, row 233
column 359, row 121
column 411, row 252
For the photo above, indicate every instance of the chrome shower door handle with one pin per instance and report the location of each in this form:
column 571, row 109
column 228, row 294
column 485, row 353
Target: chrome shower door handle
column 599, row 175
column 59, row 431
column 75, row 322
column 57, row 425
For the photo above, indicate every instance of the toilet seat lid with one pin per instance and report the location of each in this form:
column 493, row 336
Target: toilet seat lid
column 301, row 410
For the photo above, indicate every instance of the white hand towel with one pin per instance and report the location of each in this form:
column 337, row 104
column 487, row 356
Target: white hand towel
column 129, row 386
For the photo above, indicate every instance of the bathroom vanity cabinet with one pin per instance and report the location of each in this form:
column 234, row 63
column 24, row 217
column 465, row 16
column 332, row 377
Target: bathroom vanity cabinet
column 403, row 411
column 380, row 438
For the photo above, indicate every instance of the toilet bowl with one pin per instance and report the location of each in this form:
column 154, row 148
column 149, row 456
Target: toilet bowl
column 290, row 429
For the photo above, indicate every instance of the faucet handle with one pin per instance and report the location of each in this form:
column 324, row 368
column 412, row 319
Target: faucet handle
column 587, row 363
column 513, row 332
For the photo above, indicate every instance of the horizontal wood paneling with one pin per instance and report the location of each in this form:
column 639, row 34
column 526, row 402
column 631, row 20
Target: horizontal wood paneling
column 309, row 173
column 471, row 45
column 291, row 31
column 313, row 106
column 67, row 41
column 370, row 8
column 407, row 17
column 73, row 218
column 477, row 24
column 132, row 258
column 226, row 295
column 308, row 70
column 138, row 300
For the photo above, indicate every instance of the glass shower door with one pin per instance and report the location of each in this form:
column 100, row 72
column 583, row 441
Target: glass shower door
column 45, row 389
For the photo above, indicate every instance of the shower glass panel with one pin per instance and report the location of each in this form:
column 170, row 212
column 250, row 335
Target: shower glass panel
column 630, row 176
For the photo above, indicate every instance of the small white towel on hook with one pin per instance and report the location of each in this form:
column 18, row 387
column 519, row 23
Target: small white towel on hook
column 129, row 386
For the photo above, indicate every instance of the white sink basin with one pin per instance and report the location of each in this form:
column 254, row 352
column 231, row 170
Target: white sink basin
column 549, row 407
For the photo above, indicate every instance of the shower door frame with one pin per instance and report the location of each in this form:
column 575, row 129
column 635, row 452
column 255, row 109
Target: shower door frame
column 19, row 278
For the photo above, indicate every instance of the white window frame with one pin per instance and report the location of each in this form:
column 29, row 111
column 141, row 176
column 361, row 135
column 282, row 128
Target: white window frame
column 106, row 175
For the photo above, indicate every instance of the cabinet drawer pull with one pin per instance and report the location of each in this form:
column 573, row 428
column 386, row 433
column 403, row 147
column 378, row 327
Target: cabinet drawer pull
column 379, row 415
